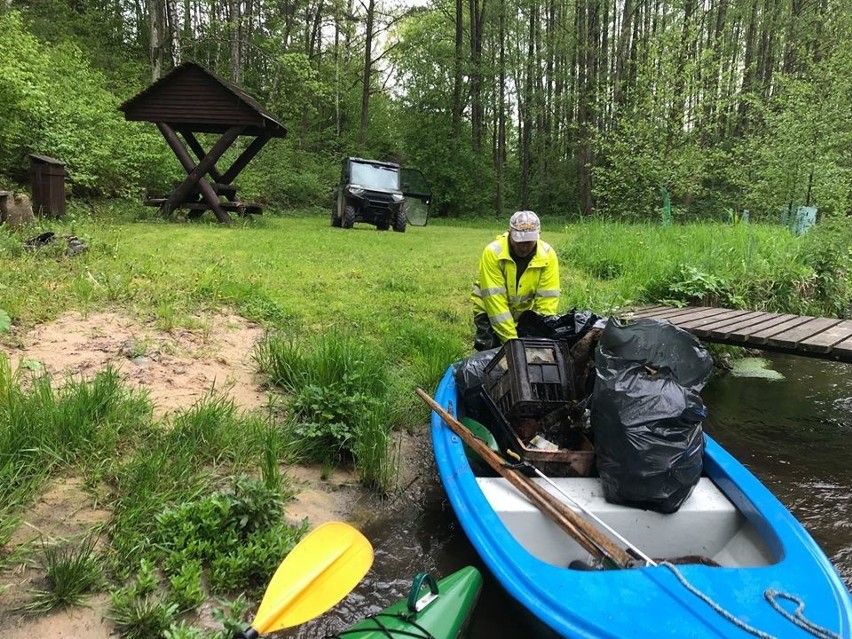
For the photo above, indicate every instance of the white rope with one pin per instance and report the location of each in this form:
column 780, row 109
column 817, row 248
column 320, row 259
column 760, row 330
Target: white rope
column 797, row 617
column 727, row 615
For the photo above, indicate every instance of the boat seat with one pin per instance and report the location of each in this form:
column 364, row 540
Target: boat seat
column 707, row 524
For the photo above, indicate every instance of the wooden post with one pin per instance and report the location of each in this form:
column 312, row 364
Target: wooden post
column 199, row 151
column 195, row 173
column 245, row 157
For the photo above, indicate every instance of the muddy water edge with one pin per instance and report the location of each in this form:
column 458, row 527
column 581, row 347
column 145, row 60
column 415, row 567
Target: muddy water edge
column 795, row 434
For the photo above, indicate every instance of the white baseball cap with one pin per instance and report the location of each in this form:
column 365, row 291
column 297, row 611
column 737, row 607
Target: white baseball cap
column 524, row 226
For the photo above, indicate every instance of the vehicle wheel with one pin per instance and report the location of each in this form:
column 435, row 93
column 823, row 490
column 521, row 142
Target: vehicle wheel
column 348, row 216
column 399, row 222
column 334, row 221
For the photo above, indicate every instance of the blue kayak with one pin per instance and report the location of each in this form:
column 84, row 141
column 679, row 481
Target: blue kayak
column 732, row 563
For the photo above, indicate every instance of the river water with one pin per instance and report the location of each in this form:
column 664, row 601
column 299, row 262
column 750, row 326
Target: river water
column 794, row 434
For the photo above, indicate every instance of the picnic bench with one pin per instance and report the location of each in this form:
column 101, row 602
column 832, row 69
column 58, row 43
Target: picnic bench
column 191, row 100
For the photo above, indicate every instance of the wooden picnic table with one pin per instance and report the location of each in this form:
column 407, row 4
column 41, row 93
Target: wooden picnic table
column 192, row 100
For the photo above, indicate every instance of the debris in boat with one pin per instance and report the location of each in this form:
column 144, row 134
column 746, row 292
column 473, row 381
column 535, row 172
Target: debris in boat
column 541, row 443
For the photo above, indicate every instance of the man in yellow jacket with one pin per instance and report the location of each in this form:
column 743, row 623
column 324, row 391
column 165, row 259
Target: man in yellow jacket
column 517, row 272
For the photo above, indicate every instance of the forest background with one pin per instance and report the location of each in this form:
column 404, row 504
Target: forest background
column 568, row 107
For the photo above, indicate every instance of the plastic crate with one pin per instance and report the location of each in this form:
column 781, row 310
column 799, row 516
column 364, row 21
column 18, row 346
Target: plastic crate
column 530, row 378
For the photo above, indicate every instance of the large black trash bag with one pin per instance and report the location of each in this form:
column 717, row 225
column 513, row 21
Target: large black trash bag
column 569, row 326
column 470, row 376
column 646, row 413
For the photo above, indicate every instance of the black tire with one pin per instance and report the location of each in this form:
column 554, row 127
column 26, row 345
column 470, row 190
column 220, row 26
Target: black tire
column 348, row 216
column 334, row 220
column 399, row 222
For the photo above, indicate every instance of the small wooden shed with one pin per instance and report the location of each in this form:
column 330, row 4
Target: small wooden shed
column 48, row 185
column 191, row 100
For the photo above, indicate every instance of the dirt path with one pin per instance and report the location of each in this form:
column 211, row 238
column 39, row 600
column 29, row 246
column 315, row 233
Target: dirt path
column 176, row 369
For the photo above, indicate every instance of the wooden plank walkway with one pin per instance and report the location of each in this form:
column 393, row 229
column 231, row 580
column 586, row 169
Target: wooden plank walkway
column 820, row 337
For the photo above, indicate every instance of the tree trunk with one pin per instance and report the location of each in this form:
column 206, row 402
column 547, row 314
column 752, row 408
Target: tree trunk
column 457, row 71
column 500, row 156
column 316, row 31
column 234, row 29
column 622, row 51
column 791, row 48
column 159, row 31
column 748, row 70
column 525, row 106
column 476, row 110
column 587, row 19
column 713, row 76
column 676, row 114
column 368, row 68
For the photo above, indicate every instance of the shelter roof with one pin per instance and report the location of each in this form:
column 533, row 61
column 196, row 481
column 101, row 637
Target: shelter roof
column 193, row 97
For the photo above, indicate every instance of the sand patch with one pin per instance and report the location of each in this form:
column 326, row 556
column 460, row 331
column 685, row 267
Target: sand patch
column 176, row 368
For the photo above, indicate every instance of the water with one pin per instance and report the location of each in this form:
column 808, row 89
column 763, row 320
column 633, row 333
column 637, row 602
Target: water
column 795, row 435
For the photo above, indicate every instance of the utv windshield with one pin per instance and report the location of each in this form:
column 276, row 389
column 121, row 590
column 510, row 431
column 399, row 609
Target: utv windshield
column 375, row 176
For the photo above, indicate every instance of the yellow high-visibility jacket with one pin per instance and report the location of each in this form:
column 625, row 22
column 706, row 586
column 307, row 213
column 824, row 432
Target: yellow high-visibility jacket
column 497, row 295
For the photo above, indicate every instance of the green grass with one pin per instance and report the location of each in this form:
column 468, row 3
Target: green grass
column 71, row 571
column 197, row 504
column 616, row 265
column 48, row 427
column 296, row 272
column 355, row 320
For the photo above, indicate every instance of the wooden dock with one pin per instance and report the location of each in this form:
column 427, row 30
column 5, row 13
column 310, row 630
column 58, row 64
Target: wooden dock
column 821, row 337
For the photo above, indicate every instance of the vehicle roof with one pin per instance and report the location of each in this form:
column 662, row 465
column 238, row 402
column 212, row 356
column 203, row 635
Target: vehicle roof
column 389, row 164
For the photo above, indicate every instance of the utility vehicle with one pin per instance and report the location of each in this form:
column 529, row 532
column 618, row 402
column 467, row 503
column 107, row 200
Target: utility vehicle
column 380, row 193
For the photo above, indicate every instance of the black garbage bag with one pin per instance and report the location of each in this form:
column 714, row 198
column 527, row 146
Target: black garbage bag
column 470, row 377
column 40, row 240
column 646, row 413
column 569, row 326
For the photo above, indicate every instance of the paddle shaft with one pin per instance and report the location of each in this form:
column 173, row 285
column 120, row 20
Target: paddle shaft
column 578, row 528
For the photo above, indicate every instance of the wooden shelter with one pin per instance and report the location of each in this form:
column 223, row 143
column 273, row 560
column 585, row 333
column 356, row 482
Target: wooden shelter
column 190, row 100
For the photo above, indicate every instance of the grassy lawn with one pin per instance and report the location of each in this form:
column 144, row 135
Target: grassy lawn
column 405, row 296
column 354, row 320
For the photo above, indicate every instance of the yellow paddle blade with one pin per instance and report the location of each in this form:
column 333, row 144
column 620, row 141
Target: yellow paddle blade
column 320, row 571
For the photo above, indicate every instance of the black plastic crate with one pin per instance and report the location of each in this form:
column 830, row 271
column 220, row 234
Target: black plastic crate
column 530, row 378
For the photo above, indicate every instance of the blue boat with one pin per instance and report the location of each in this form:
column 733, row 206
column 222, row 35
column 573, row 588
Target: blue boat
column 769, row 578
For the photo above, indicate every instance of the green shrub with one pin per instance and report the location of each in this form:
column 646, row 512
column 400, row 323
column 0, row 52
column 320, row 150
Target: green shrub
column 142, row 617
column 239, row 534
column 327, row 417
column 827, row 248
column 186, row 586
column 339, row 403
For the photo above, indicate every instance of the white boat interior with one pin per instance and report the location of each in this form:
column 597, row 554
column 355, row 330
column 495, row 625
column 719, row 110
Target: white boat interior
column 706, row 525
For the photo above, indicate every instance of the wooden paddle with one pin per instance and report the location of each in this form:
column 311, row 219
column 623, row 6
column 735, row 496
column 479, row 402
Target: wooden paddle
column 320, row 571
column 582, row 531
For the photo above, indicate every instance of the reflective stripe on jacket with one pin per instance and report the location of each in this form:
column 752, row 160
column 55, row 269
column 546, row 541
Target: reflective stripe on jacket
column 496, row 294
